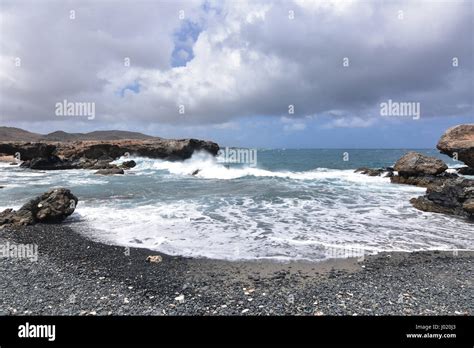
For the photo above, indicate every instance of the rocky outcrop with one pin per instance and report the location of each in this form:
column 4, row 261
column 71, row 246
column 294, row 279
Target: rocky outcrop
column 459, row 142
column 26, row 151
column 423, row 180
column 160, row 148
column 416, row 164
column 388, row 172
column 51, row 207
column 51, row 162
column 97, row 154
column 56, row 163
column 454, row 196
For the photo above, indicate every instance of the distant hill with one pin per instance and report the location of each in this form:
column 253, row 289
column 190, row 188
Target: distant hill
column 17, row 134
column 14, row 134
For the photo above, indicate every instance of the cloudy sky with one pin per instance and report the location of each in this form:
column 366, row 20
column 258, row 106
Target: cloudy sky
column 245, row 73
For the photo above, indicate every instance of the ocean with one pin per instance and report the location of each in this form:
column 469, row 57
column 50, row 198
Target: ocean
column 295, row 204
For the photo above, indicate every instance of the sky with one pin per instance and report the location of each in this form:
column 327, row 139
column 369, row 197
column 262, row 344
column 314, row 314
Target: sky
column 292, row 74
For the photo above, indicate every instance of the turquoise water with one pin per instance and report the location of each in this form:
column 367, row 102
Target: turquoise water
column 294, row 204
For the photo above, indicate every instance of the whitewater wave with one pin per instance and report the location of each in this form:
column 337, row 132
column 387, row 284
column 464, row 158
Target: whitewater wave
column 286, row 229
column 209, row 168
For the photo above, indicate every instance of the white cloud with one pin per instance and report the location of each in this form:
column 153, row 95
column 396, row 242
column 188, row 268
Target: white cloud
column 351, row 122
column 249, row 59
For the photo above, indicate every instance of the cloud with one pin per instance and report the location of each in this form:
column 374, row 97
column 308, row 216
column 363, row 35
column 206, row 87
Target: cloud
column 232, row 59
column 351, row 122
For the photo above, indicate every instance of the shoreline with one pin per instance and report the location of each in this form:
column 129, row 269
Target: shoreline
column 77, row 276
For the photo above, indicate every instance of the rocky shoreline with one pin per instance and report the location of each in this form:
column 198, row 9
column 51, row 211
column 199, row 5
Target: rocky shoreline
column 447, row 193
column 97, row 155
column 76, row 276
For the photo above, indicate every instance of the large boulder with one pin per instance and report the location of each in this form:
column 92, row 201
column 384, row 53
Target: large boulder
column 52, row 206
column 459, row 140
column 416, row 164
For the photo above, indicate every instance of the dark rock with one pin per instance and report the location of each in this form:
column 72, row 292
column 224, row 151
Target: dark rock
column 77, row 154
column 459, row 140
column 415, row 164
column 52, row 206
column 128, row 164
column 111, row 171
column 465, row 171
column 423, row 180
column 27, row 151
column 157, row 148
column 196, row 172
column 49, row 163
column 455, row 196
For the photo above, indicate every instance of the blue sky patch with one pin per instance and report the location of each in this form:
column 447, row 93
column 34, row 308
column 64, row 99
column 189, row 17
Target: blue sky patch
column 184, row 40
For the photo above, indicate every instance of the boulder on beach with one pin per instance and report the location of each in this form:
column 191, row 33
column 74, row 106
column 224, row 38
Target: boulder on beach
column 416, row 164
column 459, row 141
column 52, row 206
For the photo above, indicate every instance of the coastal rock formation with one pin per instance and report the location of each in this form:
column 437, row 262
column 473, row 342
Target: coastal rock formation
column 459, row 140
column 52, row 206
column 26, row 150
column 423, row 180
column 156, row 148
column 454, row 196
column 98, row 154
column 415, row 164
column 51, row 162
